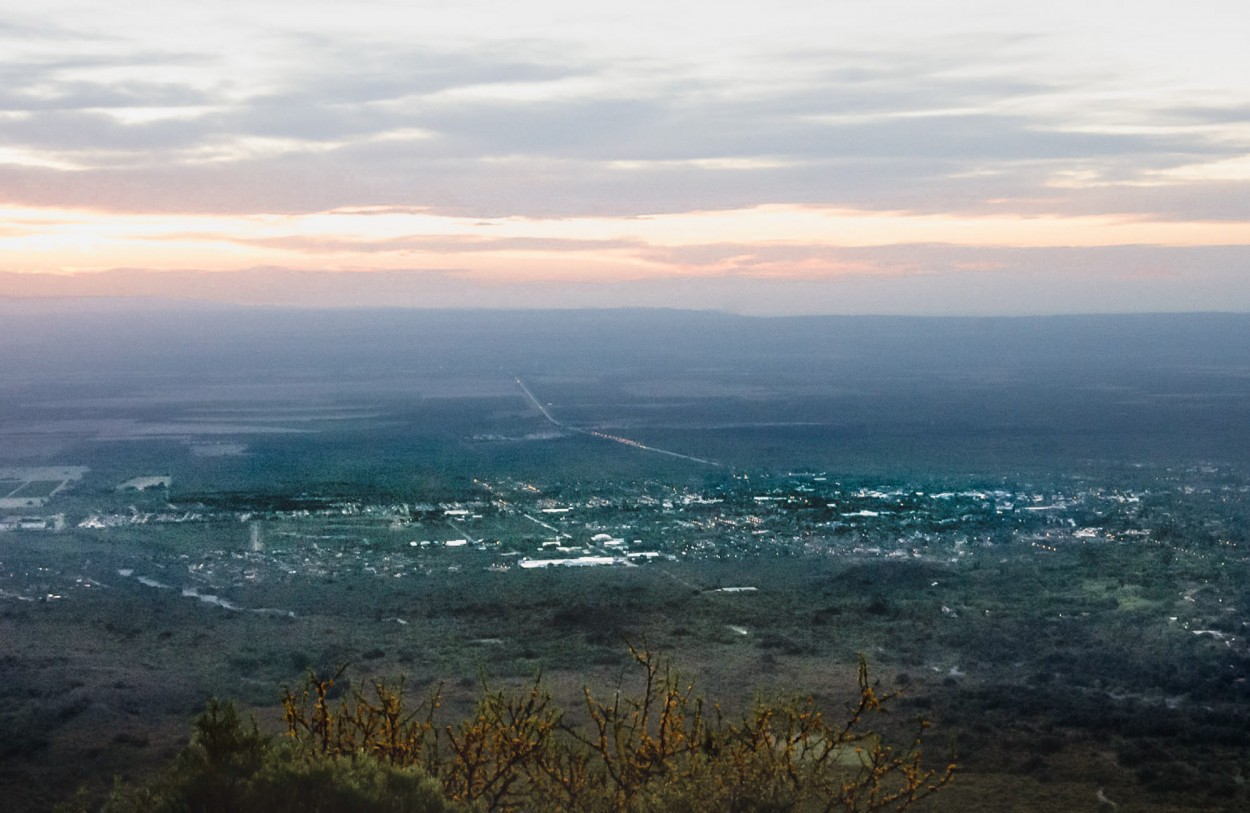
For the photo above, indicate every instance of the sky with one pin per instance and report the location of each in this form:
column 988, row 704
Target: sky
column 789, row 157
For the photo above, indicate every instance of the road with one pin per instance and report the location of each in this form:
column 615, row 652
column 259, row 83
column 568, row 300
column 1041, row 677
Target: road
column 538, row 405
column 614, row 438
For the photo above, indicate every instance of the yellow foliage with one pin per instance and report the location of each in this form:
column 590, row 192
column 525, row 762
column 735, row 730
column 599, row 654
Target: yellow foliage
column 664, row 749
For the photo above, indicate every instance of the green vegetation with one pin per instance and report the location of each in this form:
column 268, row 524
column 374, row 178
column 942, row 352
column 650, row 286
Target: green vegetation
column 231, row 767
column 663, row 749
column 1051, row 558
column 1062, row 667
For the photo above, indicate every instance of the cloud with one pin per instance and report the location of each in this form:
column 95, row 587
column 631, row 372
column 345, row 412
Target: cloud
column 1009, row 121
column 519, row 128
column 893, row 280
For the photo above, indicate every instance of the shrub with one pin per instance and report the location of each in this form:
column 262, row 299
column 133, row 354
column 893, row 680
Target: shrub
column 231, row 767
column 663, row 749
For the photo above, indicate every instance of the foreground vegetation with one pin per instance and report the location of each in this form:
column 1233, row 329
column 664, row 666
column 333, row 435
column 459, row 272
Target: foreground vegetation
column 1061, row 673
column 664, row 748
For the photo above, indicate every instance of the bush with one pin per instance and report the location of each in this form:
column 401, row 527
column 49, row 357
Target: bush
column 664, row 749
column 232, row 768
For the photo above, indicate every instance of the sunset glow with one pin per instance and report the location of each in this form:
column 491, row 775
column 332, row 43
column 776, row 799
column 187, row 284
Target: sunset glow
column 551, row 143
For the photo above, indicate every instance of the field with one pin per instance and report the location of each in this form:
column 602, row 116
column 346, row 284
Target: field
column 1035, row 530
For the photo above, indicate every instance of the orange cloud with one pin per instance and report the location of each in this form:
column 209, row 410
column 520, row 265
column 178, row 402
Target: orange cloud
column 798, row 242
